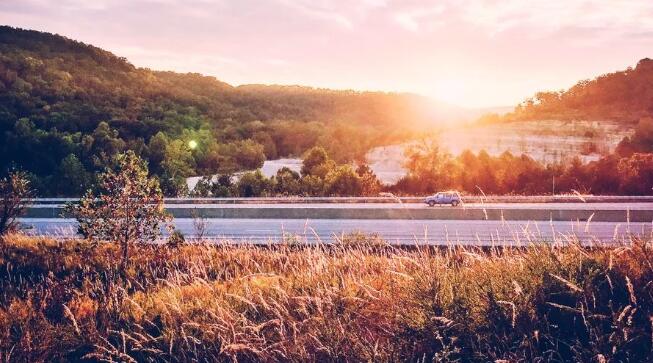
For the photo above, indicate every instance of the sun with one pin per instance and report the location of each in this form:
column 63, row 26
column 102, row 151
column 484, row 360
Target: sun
column 452, row 91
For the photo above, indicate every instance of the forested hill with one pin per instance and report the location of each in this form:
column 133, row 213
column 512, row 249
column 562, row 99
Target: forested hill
column 65, row 107
column 625, row 96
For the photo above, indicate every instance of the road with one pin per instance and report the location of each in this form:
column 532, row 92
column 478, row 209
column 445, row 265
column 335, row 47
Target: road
column 434, row 232
column 563, row 212
column 526, row 206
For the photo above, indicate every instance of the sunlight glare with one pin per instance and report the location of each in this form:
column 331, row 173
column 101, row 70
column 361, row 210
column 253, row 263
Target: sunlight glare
column 452, row 91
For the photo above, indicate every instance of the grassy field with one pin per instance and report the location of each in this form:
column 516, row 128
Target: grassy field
column 357, row 301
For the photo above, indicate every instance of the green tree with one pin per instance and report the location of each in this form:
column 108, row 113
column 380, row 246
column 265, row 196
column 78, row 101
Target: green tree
column 312, row 185
column 317, row 163
column 223, row 187
column 203, row 187
column 103, row 144
column 72, row 176
column 157, row 147
column 15, row 192
column 178, row 161
column 343, row 181
column 253, row 184
column 287, row 182
column 127, row 208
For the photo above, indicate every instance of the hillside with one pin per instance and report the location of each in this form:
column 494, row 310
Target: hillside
column 65, row 107
column 624, row 96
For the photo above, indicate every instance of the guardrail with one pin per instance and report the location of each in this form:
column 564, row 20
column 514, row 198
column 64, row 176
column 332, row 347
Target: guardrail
column 317, row 200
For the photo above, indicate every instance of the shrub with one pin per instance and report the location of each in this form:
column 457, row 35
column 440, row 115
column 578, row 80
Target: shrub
column 15, row 191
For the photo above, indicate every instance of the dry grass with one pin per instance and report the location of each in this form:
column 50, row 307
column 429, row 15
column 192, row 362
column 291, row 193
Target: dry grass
column 354, row 302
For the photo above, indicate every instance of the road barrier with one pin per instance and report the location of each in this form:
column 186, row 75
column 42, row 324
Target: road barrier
column 412, row 212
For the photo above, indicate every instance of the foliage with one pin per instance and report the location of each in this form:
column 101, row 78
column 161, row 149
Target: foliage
column 15, row 192
column 287, row 182
column 640, row 142
column 342, row 181
column 369, row 183
column 128, row 207
column 359, row 300
column 253, row 184
column 176, row 239
column 623, row 95
column 432, row 170
column 59, row 97
column 337, row 180
column 316, row 162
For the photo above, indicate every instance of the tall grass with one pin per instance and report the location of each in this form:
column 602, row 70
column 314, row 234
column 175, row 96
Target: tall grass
column 357, row 301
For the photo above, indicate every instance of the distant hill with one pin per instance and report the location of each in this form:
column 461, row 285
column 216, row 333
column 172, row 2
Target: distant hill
column 625, row 96
column 57, row 72
column 60, row 99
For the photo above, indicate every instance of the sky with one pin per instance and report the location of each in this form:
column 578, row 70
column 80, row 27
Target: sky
column 472, row 53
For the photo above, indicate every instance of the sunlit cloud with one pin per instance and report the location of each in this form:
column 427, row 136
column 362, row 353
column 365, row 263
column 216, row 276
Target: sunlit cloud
column 412, row 19
column 551, row 16
column 318, row 10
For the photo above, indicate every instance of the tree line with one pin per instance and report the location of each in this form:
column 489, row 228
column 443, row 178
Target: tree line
column 623, row 95
column 320, row 175
column 67, row 107
column 627, row 171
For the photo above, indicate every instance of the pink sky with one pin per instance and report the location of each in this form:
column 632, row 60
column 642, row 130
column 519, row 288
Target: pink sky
column 473, row 53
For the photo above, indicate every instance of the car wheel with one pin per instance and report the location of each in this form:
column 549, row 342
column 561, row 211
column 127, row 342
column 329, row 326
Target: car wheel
column 431, row 204
column 454, row 203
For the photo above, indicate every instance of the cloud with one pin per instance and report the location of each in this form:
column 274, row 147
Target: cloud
column 412, row 19
column 546, row 16
column 323, row 11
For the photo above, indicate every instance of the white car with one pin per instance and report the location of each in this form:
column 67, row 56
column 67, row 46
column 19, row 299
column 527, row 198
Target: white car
column 451, row 197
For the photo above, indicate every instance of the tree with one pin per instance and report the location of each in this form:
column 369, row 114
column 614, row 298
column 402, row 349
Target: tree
column 636, row 174
column 317, row 163
column 157, row 149
column 72, row 176
column 253, row 184
column 223, row 187
column 287, row 181
column 370, row 184
column 15, row 192
column 103, row 144
column 203, row 187
column 431, row 166
column 178, row 161
column 127, row 209
column 312, row 185
column 640, row 142
column 343, row 181
column 250, row 154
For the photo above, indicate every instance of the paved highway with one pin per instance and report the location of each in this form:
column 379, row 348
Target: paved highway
column 435, row 232
column 527, row 206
